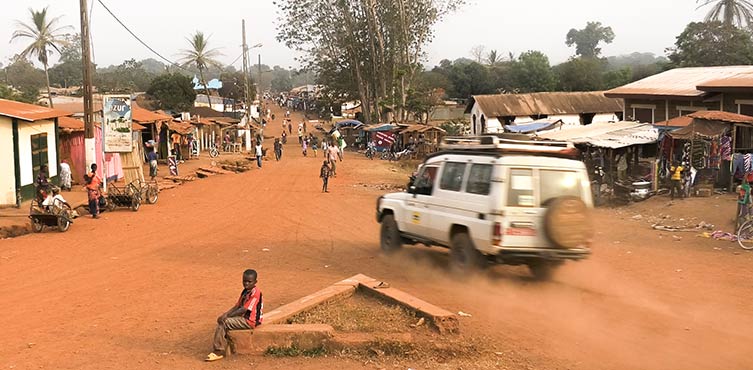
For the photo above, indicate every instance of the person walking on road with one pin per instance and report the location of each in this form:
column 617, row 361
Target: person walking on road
column 246, row 314
column 93, row 183
column 314, row 142
column 259, row 153
column 290, row 128
column 305, row 145
column 278, row 149
column 324, row 173
column 332, row 153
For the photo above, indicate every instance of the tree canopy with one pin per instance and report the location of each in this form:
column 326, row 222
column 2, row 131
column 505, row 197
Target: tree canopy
column 173, row 91
column 587, row 40
column 730, row 12
column 711, row 44
column 366, row 48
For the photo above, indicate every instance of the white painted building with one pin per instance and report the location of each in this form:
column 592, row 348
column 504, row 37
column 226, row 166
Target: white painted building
column 490, row 113
column 28, row 139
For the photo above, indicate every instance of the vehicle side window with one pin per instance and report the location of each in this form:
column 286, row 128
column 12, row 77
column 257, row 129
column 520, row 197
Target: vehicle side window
column 424, row 182
column 520, row 188
column 479, row 179
column 452, row 176
column 556, row 183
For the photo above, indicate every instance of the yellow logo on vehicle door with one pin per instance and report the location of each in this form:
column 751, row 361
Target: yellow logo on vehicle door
column 416, row 218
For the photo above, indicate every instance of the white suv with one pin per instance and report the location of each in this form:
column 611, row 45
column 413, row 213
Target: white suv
column 495, row 199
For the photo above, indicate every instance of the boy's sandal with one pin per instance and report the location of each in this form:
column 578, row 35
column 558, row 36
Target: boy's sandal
column 213, row 357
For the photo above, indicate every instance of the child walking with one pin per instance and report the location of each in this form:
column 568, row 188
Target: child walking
column 324, row 175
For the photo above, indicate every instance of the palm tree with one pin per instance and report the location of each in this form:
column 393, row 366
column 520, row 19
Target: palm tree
column 45, row 35
column 493, row 58
column 730, row 12
column 200, row 56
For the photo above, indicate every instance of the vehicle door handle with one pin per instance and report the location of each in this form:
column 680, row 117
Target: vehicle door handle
column 530, row 212
column 411, row 204
column 521, row 225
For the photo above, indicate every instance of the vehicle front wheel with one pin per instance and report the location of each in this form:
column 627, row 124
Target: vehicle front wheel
column 543, row 270
column 64, row 222
column 464, row 257
column 389, row 236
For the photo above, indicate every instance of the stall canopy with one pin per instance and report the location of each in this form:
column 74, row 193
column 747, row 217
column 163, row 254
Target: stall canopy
column 607, row 135
column 535, row 126
column 349, row 123
column 709, row 124
column 381, row 127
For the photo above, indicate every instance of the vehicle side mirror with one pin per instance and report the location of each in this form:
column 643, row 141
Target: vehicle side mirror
column 412, row 189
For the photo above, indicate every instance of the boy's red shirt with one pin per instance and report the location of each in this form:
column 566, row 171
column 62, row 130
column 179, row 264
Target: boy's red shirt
column 252, row 302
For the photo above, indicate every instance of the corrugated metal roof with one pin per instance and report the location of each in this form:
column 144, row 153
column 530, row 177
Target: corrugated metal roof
column 70, row 124
column 683, row 82
column 142, row 115
column 549, row 103
column 715, row 115
column 28, row 112
column 681, row 121
column 606, row 135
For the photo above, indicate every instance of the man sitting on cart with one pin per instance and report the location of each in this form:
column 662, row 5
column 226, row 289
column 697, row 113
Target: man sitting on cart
column 54, row 199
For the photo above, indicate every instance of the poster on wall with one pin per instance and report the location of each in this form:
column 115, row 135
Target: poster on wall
column 116, row 110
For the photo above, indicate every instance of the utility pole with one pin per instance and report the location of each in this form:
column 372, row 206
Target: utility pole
column 89, row 141
column 245, row 72
column 246, row 87
column 259, row 83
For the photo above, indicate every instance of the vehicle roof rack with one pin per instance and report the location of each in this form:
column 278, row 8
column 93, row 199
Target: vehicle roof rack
column 506, row 143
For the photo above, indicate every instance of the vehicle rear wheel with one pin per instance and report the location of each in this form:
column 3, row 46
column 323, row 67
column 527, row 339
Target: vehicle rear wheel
column 151, row 195
column 389, row 237
column 36, row 226
column 464, row 257
column 543, row 270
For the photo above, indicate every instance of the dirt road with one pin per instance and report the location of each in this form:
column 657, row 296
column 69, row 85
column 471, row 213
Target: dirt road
column 142, row 290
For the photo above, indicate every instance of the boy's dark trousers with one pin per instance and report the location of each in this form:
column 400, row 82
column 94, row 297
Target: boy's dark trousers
column 676, row 186
column 325, row 180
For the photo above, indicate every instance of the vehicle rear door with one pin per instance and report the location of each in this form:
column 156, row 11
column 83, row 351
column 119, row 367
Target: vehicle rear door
column 521, row 210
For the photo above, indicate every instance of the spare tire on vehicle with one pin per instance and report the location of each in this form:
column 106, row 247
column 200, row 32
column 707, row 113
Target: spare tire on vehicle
column 567, row 222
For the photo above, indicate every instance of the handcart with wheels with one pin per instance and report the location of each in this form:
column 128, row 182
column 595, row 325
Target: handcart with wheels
column 128, row 196
column 58, row 214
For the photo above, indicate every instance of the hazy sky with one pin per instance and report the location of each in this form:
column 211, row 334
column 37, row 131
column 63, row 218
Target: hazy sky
column 516, row 26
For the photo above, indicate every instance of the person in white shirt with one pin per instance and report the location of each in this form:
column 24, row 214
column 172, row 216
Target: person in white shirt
column 259, row 153
column 54, row 199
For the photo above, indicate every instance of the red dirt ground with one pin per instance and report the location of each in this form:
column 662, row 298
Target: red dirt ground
column 142, row 290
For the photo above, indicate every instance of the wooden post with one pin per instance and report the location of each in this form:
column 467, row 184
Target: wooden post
column 89, row 141
column 734, row 146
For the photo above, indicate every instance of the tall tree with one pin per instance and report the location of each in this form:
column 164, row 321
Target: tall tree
column 581, row 74
column 201, row 56
column 587, row 40
column 532, row 73
column 478, row 53
column 25, row 78
column 730, row 12
column 173, row 91
column 45, row 34
column 68, row 71
column 711, row 44
column 374, row 50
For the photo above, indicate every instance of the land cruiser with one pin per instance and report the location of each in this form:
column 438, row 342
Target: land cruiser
column 495, row 199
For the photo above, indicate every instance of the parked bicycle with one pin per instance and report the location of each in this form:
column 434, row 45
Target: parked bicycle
column 148, row 190
column 213, row 151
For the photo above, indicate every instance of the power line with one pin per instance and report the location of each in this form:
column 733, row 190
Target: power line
column 140, row 40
